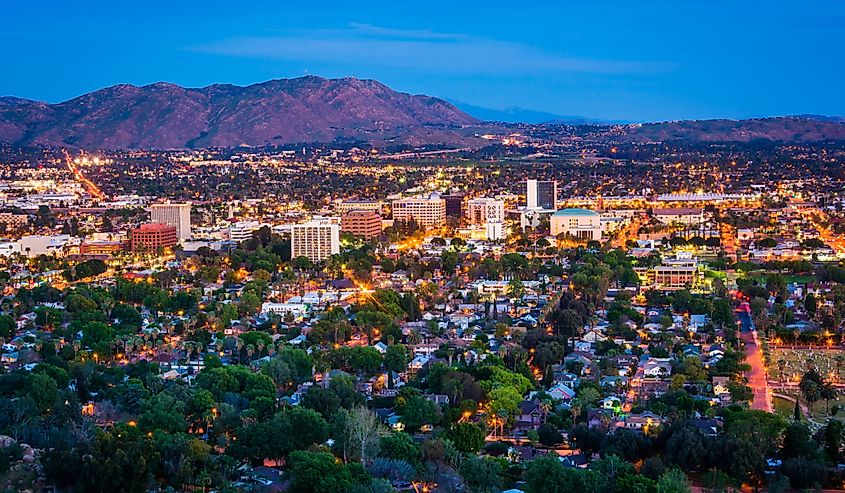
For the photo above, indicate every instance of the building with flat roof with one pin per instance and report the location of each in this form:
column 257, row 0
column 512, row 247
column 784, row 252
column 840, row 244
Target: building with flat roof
column 363, row 224
column 480, row 211
column 153, row 236
column 429, row 212
column 689, row 216
column 316, row 240
column 541, row 194
column 242, row 230
column 579, row 223
column 358, row 205
column 176, row 215
column 102, row 247
column 455, row 203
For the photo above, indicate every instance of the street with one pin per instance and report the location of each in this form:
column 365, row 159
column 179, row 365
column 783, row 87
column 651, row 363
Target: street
column 757, row 376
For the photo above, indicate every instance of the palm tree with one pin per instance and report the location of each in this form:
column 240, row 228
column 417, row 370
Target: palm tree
column 414, row 337
column 839, row 359
column 827, row 392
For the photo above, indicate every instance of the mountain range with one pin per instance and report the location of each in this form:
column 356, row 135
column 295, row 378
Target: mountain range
column 284, row 111
column 315, row 110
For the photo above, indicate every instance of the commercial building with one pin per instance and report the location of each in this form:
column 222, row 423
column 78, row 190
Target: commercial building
column 153, row 236
column 541, row 194
column 242, row 230
column 487, row 214
column 579, row 223
column 455, row 204
column 363, row 224
column 358, row 205
column 680, row 272
column 689, row 216
column 316, row 240
column 102, row 247
column 428, row 212
column 12, row 220
column 176, row 215
column 484, row 210
column 35, row 245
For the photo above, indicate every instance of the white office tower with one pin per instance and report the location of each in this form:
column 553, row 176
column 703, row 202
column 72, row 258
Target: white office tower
column 176, row 215
column 541, row 194
column 317, row 240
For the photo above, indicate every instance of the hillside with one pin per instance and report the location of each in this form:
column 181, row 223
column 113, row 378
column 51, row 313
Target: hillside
column 284, row 111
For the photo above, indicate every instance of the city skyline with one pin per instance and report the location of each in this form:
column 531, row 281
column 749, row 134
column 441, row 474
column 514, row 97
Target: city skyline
column 649, row 62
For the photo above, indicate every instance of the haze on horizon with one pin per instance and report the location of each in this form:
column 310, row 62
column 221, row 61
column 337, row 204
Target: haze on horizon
column 644, row 61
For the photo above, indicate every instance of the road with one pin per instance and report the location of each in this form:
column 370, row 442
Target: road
column 757, row 376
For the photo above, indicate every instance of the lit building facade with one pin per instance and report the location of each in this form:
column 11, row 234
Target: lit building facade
column 541, row 194
column 152, row 237
column 176, row 215
column 363, row 224
column 316, row 240
column 579, row 223
column 429, row 212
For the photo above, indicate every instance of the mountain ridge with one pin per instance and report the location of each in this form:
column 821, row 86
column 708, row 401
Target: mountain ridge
column 163, row 115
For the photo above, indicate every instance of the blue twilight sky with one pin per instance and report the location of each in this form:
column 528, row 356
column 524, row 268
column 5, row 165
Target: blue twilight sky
column 636, row 60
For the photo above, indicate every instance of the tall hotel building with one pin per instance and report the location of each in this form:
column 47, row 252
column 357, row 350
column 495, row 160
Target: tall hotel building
column 316, row 240
column 176, row 215
column 429, row 212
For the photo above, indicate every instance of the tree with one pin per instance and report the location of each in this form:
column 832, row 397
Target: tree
column 7, row 327
column 811, row 304
column 804, row 472
column 418, row 411
column 539, row 473
column 832, row 440
column 365, row 359
column 399, row 446
column 318, row 472
column 797, row 441
column 303, row 427
column 363, row 430
column 673, row 481
column 482, row 475
column 467, row 437
column 810, row 387
column 324, row 401
column 395, row 361
column 636, row 483
column 549, row 434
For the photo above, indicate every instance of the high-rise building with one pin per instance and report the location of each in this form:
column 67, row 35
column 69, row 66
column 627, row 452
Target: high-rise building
column 454, row 204
column 428, row 212
column 541, row 194
column 317, row 240
column 484, row 210
column 176, row 215
column 364, row 224
column 152, row 237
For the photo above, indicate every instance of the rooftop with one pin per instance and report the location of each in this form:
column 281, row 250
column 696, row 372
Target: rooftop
column 576, row 212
